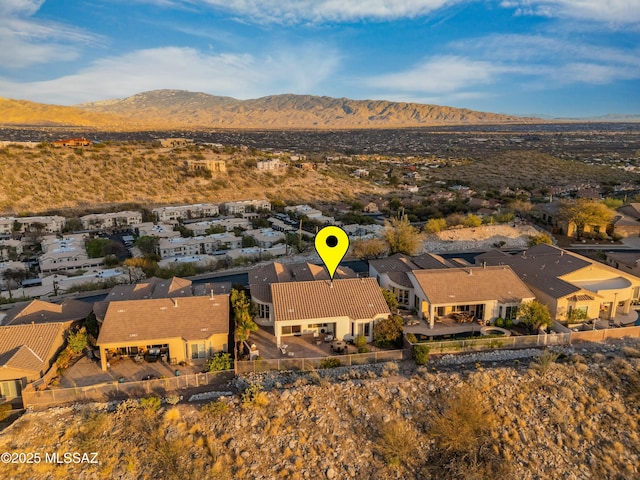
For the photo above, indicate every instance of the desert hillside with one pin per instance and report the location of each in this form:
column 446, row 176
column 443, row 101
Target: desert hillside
column 180, row 107
column 166, row 109
column 45, row 178
column 507, row 415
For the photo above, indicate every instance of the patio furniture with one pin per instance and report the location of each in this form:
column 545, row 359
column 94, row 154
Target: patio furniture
column 328, row 338
column 291, row 354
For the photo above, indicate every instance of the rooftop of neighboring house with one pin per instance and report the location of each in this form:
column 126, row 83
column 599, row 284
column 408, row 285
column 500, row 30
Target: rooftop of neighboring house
column 628, row 258
column 471, row 284
column 28, row 347
column 356, row 298
column 261, row 277
column 541, row 267
column 398, row 265
column 632, row 210
column 38, row 311
column 190, row 318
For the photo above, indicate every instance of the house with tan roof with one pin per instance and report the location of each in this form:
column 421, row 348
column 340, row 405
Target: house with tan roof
column 626, row 261
column 565, row 281
column 342, row 308
column 261, row 278
column 187, row 329
column 68, row 312
column 26, row 354
column 483, row 293
column 392, row 274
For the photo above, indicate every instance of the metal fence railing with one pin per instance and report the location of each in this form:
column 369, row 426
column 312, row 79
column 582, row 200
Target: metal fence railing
column 105, row 392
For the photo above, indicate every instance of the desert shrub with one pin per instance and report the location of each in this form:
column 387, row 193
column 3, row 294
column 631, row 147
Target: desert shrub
column 150, row 404
column 363, row 350
column 215, row 408
column 219, row 361
column 396, row 441
column 508, row 323
column 360, row 341
column 173, row 399
column 411, row 338
column 421, row 354
column 499, row 322
column 544, row 361
column 330, row 363
column 5, row 411
column 253, row 395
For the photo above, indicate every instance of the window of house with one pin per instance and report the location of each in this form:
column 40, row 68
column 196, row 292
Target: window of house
column 440, row 311
column 263, row 310
column 290, row 329
column 511, row 311
column 198, row 350
column 364, row 329
column 402, row 295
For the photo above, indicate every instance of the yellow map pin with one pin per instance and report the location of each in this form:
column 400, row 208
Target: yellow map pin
column 332, row 244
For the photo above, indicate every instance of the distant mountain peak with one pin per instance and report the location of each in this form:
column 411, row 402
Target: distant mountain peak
column 172, row 108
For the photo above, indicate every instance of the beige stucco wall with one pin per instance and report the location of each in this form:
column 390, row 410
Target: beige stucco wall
column 178, row 348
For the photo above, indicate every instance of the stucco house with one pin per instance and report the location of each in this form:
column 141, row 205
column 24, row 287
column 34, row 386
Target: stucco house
column 180, row 329
column 486, row 293
column 261, row 278
column 565, row 281
column 341, row 308
column 26, row 354
column 392, row 274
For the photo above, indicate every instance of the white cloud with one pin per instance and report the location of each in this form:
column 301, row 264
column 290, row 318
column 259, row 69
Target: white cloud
column 26, row 41
column 485, row 66
column 241, row 76
column 440, row 74
column 294, row 11
column 622, row 12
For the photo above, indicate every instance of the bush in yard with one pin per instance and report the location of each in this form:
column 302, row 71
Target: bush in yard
column 499, row 322
column 363, row 350
column 508, row 323
column 219, row 361
column 421, row 354
column 387, row 333
column 77, row 341
column 411, row 338
column 396, row 441
column 360, row 341
column 173, row 399
column 330, row 363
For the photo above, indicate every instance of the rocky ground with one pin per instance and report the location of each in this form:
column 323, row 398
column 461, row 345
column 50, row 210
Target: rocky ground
column 523, row 414
column 480, row 238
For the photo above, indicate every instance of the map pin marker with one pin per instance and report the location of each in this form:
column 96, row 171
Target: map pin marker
column 332, row 244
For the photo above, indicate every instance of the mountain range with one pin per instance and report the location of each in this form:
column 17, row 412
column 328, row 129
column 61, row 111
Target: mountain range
column 182, row 109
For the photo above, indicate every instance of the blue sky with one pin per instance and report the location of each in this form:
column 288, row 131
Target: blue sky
column 552, row 57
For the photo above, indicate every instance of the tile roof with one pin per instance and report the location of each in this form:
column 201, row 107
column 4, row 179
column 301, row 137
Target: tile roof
column 260, row 278
column 191, row 318
column 398, row 265
column 541, row 266
column 38, row 311
column 219, row 288
column 471, row 284
column 357, row 298
column 173, row 287
column 29, row 347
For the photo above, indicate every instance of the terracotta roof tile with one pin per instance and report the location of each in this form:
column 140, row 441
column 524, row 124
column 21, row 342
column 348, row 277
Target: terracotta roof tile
column 472, row 284
column 28, row 347
column 191, row 318
column 357, row 298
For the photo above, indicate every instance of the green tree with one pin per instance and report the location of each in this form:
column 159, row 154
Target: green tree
column 244, row 311
column 521, row 207
column 96, row 247
column 401, row 236
column 584, row 212
column 73, row 225
column 390, row 298
column 248, row 241
column 534, row 315
column 15, row 276
column 435, row 225
column 147, row 245
column 213, row 229
column 388, row 332
column 612, row 203
column 77, row 341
